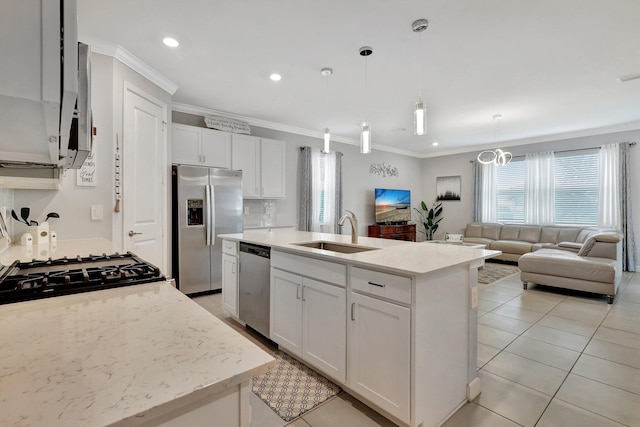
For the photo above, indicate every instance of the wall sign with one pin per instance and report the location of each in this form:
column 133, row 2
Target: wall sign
column 86, row 175
column 227, row 125
column 383, row 170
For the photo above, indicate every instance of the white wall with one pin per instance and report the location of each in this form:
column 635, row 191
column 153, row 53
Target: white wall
column 358, row 183
column 458, row 214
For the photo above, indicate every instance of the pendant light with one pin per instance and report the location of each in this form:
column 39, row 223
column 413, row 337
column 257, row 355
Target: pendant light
column 327, row 72
column 497, row 156
column 365, row 134
column 420, row 113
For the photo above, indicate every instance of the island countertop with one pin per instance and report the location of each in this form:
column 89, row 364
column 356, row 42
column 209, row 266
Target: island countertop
column 113, row 356
column 409, row 258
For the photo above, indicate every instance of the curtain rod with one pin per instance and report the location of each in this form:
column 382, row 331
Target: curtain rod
column 631, row 144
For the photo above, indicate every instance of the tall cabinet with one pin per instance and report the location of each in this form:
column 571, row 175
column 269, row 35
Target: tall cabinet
column 262, row 162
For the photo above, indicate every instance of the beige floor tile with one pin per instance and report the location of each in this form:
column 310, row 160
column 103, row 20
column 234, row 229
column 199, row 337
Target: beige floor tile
column 344, row 410
column 549, row 354
column 495, row 296
column 487, row 306
column 474, row 415
column 506, row 288
column 546, row 293
column 568, row 325
column 614, row 352
column 299, row 423
column 623, row 313
column 543, row 378
column 531, row 302
column 518, row 313
column 504, row 323
column 486, row 353
column 607, row 401
column 562, row 414
column 629, row 325
column 556, row 337
column 582, row 312
column 262, row 415
column 513, row 401
column 494, row 337
column 607, row 372
column 627, row 305
column 617, row 336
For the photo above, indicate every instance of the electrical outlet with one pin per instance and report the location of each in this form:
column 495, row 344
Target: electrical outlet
column 96, row 213
column 246, row 210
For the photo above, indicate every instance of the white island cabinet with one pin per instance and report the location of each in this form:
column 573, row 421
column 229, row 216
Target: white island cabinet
column 230, row 278
column 395, row 326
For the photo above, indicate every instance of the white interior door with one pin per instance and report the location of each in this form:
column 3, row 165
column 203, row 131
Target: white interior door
column 144, row 176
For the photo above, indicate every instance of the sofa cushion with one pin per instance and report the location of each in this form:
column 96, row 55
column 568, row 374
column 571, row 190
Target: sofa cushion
column 606, row 237
column 473, row 230
column 549, row 235
column 477, row 240
column 530, row 234
column 491, row 231
column 556, row 262
column 538, row 246
column 568, row 234
column 511, row 246
column 509, row 232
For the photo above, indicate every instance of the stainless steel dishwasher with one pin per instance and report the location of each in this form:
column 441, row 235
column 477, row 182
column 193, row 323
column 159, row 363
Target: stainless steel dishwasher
column 254, row 286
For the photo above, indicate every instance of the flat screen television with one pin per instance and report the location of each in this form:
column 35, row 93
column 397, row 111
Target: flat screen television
column 392, row 206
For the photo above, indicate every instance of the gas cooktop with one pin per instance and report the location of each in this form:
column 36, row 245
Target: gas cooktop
column 22, row 281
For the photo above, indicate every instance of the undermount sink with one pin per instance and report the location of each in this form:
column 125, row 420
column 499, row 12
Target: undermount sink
column 335, row 247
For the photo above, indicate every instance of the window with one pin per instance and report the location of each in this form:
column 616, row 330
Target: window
column 322, row 190
column 510, row 192
column 575, row 189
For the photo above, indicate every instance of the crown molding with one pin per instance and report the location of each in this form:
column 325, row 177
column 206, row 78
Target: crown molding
column 136, row 64
column 313, row 133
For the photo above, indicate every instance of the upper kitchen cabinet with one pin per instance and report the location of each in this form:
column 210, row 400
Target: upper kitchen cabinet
column 200, row 147
column 262, row 162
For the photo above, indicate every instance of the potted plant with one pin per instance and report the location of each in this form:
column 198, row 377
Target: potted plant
column 430, row 218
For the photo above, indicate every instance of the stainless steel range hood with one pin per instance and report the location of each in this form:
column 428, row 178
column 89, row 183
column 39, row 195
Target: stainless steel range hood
column 39, row 85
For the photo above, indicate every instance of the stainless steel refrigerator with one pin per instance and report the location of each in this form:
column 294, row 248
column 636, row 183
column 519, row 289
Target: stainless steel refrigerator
column 207, row 202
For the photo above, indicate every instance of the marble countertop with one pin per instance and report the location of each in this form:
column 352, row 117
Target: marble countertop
column 97, row 358
column 408, row 258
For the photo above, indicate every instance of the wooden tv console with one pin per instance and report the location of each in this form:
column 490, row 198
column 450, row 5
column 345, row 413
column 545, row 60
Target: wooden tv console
column 396, row 232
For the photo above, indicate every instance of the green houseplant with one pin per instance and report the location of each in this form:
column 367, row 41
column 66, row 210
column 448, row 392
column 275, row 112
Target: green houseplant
column 430, row 218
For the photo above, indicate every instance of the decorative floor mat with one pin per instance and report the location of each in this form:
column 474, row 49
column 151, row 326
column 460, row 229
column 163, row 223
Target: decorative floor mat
column 291, row 388
column 492, row 272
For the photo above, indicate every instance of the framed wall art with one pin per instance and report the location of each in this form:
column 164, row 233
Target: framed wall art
column 448, row 187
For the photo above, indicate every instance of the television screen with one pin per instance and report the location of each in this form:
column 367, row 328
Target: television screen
column 392, row 206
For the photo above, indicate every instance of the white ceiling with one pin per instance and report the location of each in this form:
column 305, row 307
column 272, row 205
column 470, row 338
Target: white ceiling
column 548, row 66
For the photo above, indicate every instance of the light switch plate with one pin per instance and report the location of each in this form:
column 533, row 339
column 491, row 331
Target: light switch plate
column 96, row 213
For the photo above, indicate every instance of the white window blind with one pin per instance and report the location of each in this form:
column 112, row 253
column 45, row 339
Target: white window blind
column 510, row 192
column 576, row 188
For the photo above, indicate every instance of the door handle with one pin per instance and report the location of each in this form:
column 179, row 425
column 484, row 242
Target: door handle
column 133, row 233
column 353, row 311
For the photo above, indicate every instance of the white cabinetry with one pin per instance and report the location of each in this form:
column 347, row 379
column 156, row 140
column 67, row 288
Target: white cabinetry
column 308, row 316
column 230, row 278
column 262, row 162
column 379, row 353
column 200, row 146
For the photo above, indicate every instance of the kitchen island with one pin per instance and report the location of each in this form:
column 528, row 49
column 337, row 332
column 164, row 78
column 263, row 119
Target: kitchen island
column 394, row 323
column 136, row 355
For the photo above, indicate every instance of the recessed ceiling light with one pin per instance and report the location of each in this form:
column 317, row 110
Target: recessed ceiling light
column 435, row 144
column 275, row 77
column 171, row 42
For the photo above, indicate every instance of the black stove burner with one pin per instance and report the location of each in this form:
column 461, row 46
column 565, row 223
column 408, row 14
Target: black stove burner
column 24, row 281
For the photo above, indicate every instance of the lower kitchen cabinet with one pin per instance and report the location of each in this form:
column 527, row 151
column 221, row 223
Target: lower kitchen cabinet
column 380, row 353
column 229, row 279
column 308, row 320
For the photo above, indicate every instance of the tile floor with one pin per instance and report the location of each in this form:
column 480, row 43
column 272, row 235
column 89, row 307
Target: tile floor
column 546, row 358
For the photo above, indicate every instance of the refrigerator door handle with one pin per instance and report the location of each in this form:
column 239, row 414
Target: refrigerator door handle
column 212, row 208
column 207, row 213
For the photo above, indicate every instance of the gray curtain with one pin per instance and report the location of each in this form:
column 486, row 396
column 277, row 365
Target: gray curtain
column 306, row 190
column 477, row 191
column 629, row 243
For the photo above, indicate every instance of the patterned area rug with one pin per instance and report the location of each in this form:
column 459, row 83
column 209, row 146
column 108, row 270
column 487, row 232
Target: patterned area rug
column 291, row 388
column 493, row 271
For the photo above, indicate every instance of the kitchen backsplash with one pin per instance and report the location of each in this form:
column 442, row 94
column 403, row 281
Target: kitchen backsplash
column 260, row 213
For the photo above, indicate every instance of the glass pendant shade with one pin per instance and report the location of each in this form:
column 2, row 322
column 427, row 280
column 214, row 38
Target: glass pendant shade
column 420, row 119
column 365, row 138
column 327, row 141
